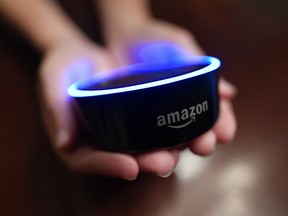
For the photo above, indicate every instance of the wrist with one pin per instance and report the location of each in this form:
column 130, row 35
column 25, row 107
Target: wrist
column 124, row 29
column 123, row 17
column 62, row 38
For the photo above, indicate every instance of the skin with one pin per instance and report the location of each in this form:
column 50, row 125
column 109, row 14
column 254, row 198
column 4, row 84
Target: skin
column 65, row 48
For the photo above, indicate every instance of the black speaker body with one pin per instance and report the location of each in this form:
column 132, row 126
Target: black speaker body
column 160, row 115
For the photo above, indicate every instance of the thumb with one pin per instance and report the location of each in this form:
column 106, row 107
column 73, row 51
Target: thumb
column 56, row 103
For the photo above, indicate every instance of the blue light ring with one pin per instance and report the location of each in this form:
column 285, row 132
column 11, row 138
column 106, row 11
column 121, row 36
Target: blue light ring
column 214, row 64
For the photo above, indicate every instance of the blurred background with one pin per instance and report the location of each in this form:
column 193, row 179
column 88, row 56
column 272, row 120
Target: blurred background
column 247, row 177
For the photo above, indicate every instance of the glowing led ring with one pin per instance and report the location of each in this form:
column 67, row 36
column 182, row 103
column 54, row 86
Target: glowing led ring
column 214, row 64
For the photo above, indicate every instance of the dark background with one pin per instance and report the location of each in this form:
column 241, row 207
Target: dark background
column 247, row 177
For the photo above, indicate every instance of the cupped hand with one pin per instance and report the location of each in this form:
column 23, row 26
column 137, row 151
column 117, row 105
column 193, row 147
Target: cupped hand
column 155, row 34
column 63, row 64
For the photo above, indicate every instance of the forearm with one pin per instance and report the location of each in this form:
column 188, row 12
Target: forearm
column 123, row 15
column 42, row 21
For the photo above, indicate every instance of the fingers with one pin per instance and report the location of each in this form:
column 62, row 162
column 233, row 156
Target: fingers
column 188, row 42
column 103, row 60
column 108, row 164
column 226, row 89
column 58, row 114
column 226, row 125
column 203, row 145
column 177, row 35
column 118, row 165
column 160, row 162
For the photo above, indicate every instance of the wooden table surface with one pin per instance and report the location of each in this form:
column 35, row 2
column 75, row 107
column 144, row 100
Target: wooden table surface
column 248, row 177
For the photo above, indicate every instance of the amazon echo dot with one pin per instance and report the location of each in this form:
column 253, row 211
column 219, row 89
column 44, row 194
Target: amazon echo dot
column 148, row 105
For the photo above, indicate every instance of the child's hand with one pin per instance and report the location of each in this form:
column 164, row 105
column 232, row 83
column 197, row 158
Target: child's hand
column 62, row 65
column 124, row 47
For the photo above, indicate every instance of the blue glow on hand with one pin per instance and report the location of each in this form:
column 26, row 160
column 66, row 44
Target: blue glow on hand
column 158, row 50
column 148, row 66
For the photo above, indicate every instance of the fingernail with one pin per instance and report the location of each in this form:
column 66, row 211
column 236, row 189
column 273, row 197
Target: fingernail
column 131, row 179
column 165, row 175
column 229, row 86
column 62, row 138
